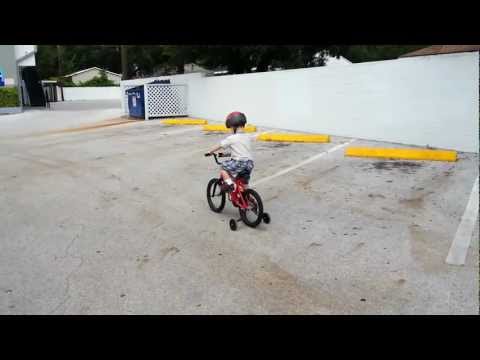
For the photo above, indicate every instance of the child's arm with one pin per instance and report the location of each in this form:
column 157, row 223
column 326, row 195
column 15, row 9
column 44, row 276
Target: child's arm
column 215, row 149
column 224, row 144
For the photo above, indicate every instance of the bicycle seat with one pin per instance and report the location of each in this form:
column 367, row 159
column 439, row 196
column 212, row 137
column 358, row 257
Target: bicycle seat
column 244, row 175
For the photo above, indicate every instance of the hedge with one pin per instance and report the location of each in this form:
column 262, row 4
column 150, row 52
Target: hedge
column 9, row 97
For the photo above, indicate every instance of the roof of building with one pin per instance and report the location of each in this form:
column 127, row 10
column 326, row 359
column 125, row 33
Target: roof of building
column 96, row 68
column 442, row 49
column 333, row 60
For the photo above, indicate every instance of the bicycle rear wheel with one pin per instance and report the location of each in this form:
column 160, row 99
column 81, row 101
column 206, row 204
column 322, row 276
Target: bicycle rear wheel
column 215, row 195
column 253, row 215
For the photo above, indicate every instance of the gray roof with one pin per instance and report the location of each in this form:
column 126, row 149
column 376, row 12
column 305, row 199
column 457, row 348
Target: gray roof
column 442, row 49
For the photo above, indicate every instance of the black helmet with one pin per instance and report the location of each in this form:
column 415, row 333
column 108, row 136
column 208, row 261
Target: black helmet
column 235, row 119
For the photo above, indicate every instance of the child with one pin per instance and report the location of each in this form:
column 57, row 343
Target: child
column 240, row 147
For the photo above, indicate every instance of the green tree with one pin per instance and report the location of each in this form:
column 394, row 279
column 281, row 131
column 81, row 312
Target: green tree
column 124, row 61
column 47, row 61
column 59, row 60
column 148, row 60
column 363, row 53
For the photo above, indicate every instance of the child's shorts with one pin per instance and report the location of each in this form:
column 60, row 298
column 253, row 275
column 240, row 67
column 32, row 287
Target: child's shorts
column 235, row 167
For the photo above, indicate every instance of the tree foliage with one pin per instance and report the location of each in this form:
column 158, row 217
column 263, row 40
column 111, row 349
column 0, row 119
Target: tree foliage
column 75, row 58
column 362, row 53
column 154, row 60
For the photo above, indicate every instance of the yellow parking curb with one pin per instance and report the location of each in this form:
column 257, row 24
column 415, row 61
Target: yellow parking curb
column 295, row 137
column 248, row 128
column 187, row 121
column 408, row 154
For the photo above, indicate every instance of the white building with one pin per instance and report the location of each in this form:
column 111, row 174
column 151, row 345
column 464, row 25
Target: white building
column 25, row 55
column 194, row 68
column 17, row 69
column 334, row 61
column 90, row 73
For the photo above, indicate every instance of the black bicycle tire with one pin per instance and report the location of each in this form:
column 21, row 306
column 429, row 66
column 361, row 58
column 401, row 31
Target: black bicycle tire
column 243, row 214
column 209, row 198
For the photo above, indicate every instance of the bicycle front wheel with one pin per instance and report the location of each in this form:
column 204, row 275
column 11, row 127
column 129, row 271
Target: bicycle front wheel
column 215, row 195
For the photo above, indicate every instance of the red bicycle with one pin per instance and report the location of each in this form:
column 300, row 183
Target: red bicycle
column 248, row 201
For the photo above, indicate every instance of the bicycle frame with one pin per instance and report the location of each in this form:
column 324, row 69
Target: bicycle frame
column 235, row 197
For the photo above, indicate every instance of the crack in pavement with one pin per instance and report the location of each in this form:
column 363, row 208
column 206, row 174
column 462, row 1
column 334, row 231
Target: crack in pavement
column 66, row 295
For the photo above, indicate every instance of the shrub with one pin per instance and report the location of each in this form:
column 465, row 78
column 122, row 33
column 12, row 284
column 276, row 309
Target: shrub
column 9, row 97
column 66, row 82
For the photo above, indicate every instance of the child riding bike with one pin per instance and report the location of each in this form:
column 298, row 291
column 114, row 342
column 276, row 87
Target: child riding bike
column 239, row 144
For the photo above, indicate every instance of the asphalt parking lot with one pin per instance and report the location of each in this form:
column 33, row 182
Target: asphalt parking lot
column 114, row 220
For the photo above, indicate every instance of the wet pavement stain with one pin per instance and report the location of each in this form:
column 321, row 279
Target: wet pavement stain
column 424, row 249
column 142, row 261
column 414, row 203
column 169, row 251
column 406, row 167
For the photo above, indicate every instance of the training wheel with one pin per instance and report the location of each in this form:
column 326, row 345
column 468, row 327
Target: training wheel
column 233, row 225
column 266, row 218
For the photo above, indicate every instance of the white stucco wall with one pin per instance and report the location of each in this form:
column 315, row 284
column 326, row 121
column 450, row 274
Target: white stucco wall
column 426, row 100
column 423, row 100
column 91, row 93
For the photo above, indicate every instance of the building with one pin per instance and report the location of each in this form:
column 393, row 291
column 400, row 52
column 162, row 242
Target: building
column 334, row 61
column 190, row 68
column 18, row 70
column 442, row 49
column 194, row 68
column 90, row 73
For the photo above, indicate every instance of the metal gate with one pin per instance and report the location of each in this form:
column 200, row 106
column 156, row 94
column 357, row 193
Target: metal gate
column 163, row 100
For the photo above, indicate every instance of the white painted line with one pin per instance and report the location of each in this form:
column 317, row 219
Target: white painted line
column 304, row 162
column 179, row 131
column 461, row 242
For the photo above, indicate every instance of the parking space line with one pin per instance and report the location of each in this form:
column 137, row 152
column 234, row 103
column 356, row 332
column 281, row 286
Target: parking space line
column 461, row 242
column 302, row 163
column 179, row 131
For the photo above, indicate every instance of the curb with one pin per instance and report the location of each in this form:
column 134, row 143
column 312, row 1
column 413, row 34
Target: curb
column 407, row 154
column 184, row 122
column 311, row 138
column 247, row 129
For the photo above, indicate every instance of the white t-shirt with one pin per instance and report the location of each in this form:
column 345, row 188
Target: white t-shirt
column 239, row 145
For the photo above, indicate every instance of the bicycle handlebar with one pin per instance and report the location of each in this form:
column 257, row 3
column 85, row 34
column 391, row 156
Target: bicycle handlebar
column 218, row 155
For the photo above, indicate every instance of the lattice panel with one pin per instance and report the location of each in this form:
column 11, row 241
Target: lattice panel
column 166, row 100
